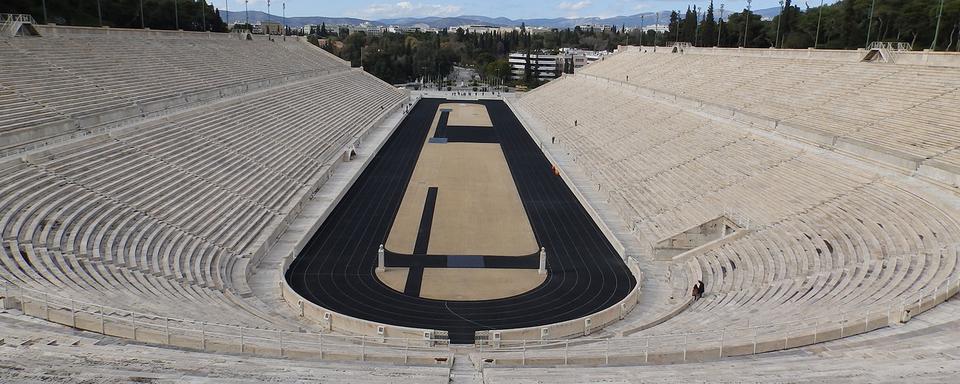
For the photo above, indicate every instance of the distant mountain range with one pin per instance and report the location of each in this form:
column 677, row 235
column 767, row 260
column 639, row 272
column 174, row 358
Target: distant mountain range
column 647, row 18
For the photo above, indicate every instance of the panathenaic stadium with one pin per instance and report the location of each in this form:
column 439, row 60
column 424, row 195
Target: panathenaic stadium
column 188, row 206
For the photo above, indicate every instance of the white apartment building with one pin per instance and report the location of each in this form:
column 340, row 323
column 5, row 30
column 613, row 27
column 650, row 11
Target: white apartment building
column 545, row 66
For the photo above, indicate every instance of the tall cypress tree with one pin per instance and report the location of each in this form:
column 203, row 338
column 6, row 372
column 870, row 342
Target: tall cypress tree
column 708, row 31
column 673, row 29
column 692, row 26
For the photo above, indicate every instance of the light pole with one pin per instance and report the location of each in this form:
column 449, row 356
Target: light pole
column 720, row 24
column 678, row 28
column 226, row 5
column 870, row 21
column 656, row 32
column 361, row 56
column 284, row 20
column 176, row 14
column 816, row 40
column 936, row 32
column 776, row 41
column 696, row 31
column 746, row 27
column 203, row 14
column 641, row 31
column 100, row 14
column 143, row 25
column 246, row 9
column 268, row 18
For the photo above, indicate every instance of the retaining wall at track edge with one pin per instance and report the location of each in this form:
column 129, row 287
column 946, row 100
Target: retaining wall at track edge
column 582, row 326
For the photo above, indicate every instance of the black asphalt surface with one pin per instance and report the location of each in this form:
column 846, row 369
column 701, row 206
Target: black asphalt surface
column 336, row 268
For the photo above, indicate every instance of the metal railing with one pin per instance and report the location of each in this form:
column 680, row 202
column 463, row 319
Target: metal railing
column 10, row 23
column 891, row 46
column 14, row 17
column 218, row 337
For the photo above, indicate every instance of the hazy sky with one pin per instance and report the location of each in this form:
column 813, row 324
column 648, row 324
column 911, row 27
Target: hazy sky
column 514, row 9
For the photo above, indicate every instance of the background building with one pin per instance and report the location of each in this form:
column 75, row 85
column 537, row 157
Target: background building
column 543, row 66
column 268, row 28
column 550, row 66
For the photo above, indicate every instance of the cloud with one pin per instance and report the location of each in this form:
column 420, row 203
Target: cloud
column 407, row 9
column 568, row 6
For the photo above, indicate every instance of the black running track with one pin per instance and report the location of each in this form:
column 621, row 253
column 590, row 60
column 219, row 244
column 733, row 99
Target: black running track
column 336, row 268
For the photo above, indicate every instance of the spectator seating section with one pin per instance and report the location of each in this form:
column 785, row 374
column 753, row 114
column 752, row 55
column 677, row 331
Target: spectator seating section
column 56, row 88
column 908, row 111
column 165, row 215
column 826, row 235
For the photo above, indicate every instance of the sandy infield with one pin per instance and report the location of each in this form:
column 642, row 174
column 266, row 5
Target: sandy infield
column 478, row 209
column 471, row 115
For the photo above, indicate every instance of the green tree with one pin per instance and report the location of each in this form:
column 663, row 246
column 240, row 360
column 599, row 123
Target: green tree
column 708, row 31
column 688, row 26
column 158, row 14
